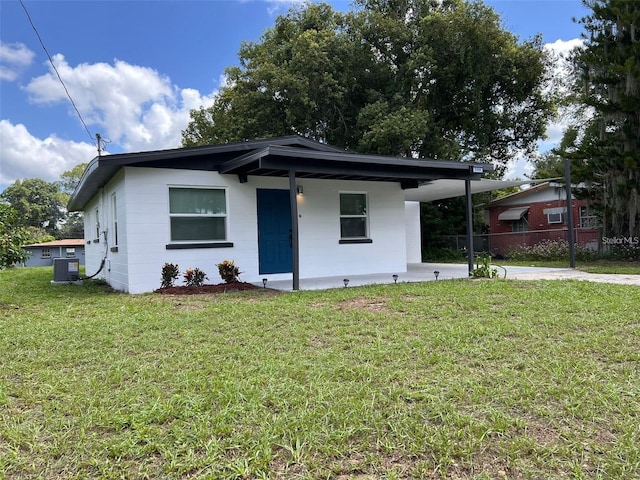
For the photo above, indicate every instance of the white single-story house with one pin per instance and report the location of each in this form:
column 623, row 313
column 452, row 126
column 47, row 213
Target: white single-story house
column 281, row 208
column 43, row 254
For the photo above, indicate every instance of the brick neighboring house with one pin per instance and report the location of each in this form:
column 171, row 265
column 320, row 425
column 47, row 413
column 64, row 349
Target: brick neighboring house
column 539, row 213
column 42, row 254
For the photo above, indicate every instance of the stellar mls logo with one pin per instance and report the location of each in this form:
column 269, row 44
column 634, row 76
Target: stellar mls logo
column 630, row 241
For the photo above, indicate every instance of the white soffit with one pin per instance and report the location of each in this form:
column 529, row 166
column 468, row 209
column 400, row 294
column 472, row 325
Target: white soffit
column 440, row 189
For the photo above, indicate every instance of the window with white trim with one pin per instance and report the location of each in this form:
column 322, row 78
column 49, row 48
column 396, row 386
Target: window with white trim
column 555, row 217
column 114, row 217
column 354, row 217
column 97, row 224
column 71, row 252
column 198, row 214
column 521, row 225
column 46, row 253
column 589, row 218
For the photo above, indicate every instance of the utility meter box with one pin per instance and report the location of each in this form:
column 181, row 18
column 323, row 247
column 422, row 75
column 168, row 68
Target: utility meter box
column 66, row 269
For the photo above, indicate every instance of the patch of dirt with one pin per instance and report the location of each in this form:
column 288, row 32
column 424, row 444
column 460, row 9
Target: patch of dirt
column 370, row 304
column 217, row 288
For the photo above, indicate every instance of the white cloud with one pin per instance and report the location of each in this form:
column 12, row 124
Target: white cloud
column 135, row 107
column 24, row 156
column 13, row 56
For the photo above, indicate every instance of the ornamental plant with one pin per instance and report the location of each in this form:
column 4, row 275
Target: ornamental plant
column 194, row 277
column 170, row 273
column 228, row 270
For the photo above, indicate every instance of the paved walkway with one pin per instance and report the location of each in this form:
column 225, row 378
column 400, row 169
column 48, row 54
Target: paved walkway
column 422, row 272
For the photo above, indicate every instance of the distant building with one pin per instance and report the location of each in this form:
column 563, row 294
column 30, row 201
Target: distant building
column 42, row 254
column 539, row 213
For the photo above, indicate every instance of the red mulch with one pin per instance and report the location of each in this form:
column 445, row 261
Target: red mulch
column 218, row 288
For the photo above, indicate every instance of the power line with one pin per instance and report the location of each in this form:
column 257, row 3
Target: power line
column 56, row 70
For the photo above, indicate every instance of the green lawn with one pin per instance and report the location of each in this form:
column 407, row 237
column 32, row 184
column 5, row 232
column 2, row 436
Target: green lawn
column 449, row 379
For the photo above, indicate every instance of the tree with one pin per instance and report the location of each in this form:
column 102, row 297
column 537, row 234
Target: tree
column 12, row 237
column 73, row 225
column 38, row 203
column 547, row 165
column 397, row 77
column 605, row 151
column 70, row 179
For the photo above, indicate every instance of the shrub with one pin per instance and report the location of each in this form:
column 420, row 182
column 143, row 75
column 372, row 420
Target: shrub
column 484, row 269
column 170, row 273
column 622, row 252
column 228, row 270
column 194, row 277
column 549, row 250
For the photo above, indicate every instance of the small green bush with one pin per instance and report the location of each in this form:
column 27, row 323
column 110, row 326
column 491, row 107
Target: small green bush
column 484, row 269
column 194, row 277
column 228, row 270
column 170, row 273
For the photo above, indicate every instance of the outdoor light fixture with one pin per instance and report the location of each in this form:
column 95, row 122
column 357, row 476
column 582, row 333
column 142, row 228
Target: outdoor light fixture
column 346, row 282
column 436, row 273
column 264, row 282
column 299, row 190
column 395, row 278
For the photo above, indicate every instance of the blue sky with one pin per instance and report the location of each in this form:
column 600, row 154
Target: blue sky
column 136, row 68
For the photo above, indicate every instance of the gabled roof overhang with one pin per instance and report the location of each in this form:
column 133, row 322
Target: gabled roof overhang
column 280, row 160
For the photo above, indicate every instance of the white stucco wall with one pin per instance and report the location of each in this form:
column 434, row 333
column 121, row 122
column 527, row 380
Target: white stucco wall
column 144, row 228
column 413, row 232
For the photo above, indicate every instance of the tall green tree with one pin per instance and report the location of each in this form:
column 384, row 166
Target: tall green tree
column 12, row 236
column 70, row 179
column 397, row 77
column 73, row 225
column 605, row 151
column 37, row 202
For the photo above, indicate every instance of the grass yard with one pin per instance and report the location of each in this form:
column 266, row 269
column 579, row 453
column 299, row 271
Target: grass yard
column 450, row 379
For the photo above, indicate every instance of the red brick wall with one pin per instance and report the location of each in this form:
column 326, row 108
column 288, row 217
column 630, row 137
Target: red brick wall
column 502, row 238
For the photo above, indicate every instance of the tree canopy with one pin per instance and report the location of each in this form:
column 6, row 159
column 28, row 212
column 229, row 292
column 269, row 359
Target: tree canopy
column 12, row 237
column 37, row 202
column 398, row 77
column 605, row 151
column 41, row 206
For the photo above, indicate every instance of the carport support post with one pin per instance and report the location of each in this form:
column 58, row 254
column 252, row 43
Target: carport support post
column 467, row 194
column 295, row 247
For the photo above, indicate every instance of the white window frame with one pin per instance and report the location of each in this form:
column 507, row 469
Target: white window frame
column 45, row 253
column 365, row 215
column 555, row 217
column 521, row 225
column 114, row 218
column 589, row 220
column 70, row 252
column 225, row 215
column 97, row 225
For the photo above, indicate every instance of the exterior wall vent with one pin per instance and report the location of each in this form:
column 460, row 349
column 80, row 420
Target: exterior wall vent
column 66, row 270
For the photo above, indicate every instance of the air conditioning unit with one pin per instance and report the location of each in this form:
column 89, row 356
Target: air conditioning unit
column 66, row 269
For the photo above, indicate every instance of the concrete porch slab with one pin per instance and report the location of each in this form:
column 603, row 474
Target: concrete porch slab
column 416, row 272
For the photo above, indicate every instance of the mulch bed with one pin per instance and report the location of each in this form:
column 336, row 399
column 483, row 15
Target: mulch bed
column 218, row 288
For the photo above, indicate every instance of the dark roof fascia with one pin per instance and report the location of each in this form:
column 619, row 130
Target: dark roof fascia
column 241, row 164
column 101, row 169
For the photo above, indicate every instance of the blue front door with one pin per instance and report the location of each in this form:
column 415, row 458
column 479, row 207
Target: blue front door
column 274, row 231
